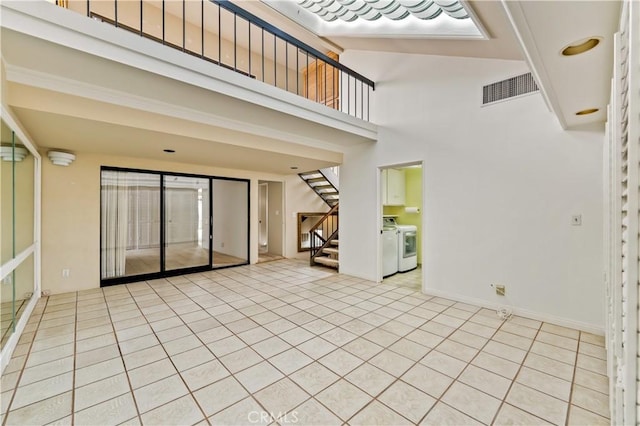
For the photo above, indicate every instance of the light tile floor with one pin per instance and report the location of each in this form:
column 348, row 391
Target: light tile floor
column 281, row 342
column 411, row 279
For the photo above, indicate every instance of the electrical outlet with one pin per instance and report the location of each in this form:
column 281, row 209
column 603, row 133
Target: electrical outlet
column 46, row 293
column 65, row 273
column 7, row 280
column 221, row 245
column 500, row 290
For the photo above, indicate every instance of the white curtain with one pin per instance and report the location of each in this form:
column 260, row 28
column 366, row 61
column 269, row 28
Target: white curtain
column 114, row 223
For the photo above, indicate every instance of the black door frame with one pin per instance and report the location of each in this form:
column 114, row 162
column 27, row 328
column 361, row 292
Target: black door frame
column 163, row 273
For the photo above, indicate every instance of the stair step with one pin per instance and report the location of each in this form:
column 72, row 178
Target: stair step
column 317, row 179
column 335, row 242
column 321, row 186
column 310, row 175
column 333, row 263
column 330, row 251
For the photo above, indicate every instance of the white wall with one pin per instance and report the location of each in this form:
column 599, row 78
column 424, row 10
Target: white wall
column 299, row 198
column 500, row 186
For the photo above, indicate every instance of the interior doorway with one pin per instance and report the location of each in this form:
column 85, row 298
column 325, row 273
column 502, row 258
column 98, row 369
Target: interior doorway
column 263, row 217
column 401, row 227
column 270, row 221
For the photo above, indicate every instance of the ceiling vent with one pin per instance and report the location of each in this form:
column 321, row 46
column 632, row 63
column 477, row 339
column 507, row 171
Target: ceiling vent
column 509, row 88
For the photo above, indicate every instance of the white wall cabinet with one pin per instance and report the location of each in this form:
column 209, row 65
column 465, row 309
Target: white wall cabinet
column 393, row 187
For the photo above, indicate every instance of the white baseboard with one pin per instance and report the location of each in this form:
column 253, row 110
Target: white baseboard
column 539, row 316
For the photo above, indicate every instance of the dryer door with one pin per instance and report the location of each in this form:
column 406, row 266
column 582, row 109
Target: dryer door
column 410, row 244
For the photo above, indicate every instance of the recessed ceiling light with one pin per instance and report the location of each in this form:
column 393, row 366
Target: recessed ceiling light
column 294, row 167
column 169, row 151
column 588, row 111
column 580, row 46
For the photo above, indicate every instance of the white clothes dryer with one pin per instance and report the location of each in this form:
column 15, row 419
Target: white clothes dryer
column 407, row 247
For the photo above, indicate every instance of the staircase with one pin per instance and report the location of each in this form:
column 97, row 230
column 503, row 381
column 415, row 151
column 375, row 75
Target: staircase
column 329, row 255
column 324, row 182
column 323, row 236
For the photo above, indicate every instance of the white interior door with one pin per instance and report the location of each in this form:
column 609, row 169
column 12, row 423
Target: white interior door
column 263, row 217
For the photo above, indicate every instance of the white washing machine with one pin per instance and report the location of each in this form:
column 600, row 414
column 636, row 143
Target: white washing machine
column 407, row 247
column 389, row 247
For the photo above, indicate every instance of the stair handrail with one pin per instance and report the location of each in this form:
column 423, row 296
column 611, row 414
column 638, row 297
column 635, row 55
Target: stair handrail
column 328, row 223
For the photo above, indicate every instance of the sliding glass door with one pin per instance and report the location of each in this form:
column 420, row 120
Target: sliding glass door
column 130, row 224
column 186, row 213
column 156, row 224
column 230, row 224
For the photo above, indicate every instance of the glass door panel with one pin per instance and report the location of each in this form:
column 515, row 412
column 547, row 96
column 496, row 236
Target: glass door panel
column 130, row 223
column 24, row 202
column 6, row 195
column 230, row 222
column 186, row 214
column 410, row 244
column 17, row 213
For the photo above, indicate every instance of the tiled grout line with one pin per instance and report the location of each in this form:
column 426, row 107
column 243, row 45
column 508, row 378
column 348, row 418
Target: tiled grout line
column 374, row 398
column 504, row 398
column 133, row 396
column 126, row 371
column 455, row 379
column 399, row 379
column 190, row 392
column 288, row 375
column 6, row 333
column 573, row 381
column 75, row 349
column 479, row 350
column 407, row 310
column 15, row 389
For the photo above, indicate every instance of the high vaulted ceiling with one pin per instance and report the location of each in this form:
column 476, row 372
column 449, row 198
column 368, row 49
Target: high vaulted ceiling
column 534, row 31
column 544, row 28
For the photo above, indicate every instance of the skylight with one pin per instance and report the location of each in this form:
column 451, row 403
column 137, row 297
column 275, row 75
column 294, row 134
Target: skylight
column 372, row 10
column 383, row 18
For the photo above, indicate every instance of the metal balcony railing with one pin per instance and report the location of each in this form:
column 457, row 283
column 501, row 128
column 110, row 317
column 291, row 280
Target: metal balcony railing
column 220, row 32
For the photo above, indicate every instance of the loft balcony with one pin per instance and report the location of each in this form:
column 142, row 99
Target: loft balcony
column 223, row 33
column 207, row 75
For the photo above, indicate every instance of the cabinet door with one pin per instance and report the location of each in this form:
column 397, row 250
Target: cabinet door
column 383, row 184
column 395, row 187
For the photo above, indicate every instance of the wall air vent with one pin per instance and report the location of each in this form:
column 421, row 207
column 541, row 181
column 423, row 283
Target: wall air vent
column 509, row 88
